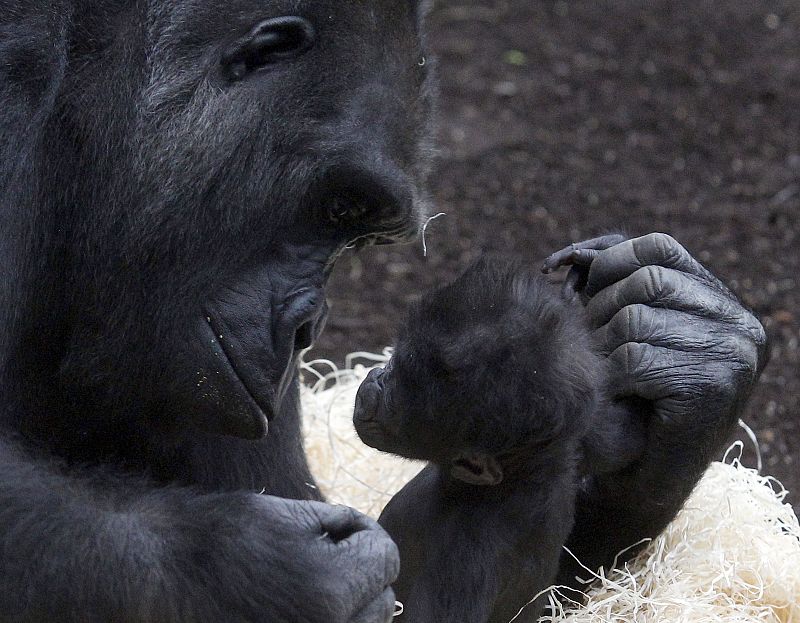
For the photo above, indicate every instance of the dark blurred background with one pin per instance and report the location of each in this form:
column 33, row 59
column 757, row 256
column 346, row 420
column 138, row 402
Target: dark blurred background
column 560, row 120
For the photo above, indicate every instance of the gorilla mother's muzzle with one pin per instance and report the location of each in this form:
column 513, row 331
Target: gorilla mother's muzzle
column 255, row 330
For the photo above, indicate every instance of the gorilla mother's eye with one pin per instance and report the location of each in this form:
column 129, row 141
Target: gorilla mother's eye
column 346, row 211
column 268, row 42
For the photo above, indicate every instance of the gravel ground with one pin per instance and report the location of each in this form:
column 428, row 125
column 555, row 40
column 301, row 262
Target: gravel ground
column 560, row 120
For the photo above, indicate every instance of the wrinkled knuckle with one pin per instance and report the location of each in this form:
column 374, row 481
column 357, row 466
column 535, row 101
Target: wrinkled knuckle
column 666, row 244
column 379, row 558
column 746, row 355
column 661, row 249
column 608, row 336
column 633, row 317
column 303, row 515
column 333, row 595
column 632, row 356
column 756, row 330
column 621, row 326
column 652, row 278
column 749, row 339
column 365, row 550
column 349, row 517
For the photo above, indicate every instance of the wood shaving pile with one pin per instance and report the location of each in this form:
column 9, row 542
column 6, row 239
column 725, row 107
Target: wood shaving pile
column 731, row 555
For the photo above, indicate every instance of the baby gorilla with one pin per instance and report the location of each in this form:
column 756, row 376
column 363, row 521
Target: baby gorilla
column 495, row 382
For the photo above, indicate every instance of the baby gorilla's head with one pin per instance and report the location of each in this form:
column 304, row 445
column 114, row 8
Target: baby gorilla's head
column 492, row 374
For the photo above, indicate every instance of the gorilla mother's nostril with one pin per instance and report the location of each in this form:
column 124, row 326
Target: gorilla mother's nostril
column 304, row 336
column 305, row 312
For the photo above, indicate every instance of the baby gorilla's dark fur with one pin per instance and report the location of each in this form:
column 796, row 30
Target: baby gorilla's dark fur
column 496, row 383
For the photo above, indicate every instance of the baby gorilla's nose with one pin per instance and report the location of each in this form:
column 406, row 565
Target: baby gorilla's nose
column 375, row 376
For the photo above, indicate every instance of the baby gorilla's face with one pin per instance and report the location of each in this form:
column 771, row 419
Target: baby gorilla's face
column 414, row 408
column 491, row 370
column 389, row 417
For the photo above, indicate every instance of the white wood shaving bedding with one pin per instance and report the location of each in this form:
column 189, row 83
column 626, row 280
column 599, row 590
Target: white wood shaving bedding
column 347, row 471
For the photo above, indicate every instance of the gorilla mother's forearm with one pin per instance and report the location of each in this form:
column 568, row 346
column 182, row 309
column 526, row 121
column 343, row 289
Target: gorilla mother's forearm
column 97, row 547
column 66, row 541
column 679, row 342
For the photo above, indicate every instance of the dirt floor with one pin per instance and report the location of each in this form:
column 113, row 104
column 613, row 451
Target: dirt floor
column 560, row 120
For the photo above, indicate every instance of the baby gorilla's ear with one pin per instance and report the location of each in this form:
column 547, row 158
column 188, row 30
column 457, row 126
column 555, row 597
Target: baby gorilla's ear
column 476, row 468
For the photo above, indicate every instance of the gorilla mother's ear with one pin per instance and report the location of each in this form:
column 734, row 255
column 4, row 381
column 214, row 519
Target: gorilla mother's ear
column 267, row 42
column 476, row 468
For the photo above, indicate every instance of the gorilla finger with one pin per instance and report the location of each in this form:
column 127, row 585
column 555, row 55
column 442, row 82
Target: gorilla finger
column 651, row 250
column 379, row 556
column 341, row 522
column 662, row 287
column 580, row 252
column 639, row 369
column 668, row 328
column 571, row 257
column 673, row 377
column 380, row 610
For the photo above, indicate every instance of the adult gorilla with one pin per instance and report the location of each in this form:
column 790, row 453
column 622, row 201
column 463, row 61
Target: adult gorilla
column 177, row 178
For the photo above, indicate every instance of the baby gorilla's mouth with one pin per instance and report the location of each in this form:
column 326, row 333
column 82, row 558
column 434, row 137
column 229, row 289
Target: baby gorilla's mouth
column 372, row 434
column 369, row 413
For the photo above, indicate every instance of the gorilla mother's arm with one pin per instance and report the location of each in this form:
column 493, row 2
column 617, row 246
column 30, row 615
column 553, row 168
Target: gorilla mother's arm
column 103, row 547
column 679, row 341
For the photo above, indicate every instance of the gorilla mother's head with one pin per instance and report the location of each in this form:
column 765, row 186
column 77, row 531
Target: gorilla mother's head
column 178, row 178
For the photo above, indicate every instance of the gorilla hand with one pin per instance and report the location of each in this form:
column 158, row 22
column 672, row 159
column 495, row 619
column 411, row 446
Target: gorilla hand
column 678, row 339
column 170, row 554
column 271, row 559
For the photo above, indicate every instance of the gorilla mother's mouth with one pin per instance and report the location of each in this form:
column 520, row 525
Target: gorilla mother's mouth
column 263, row 402
column 255, row 337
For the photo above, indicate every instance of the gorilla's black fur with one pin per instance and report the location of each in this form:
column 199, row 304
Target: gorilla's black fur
column 176, row 180
column 494, row 381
